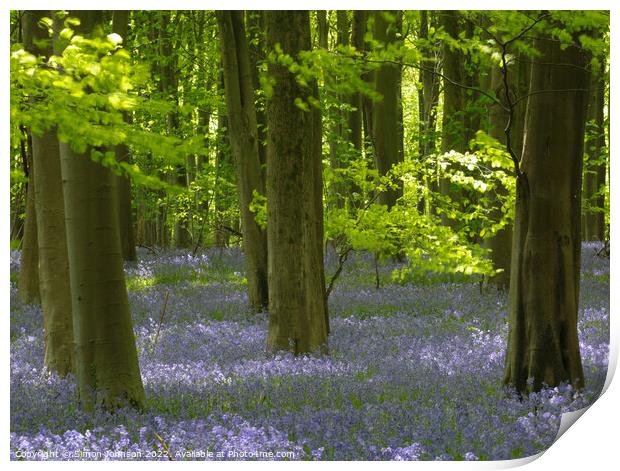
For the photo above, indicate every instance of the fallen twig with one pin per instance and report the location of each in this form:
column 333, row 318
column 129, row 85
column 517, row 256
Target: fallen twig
column 161, row 319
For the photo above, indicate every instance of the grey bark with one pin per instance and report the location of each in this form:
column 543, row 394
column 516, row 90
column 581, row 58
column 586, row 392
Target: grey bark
column 51, row 234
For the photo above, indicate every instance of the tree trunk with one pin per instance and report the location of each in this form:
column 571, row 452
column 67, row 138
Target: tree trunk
column 170, row 87
column 50, row 223
column 453, row 131
column 28, row 280
column 322, row 28
column 543, row 346
column 221, row 185
column 386, row 135
column 501, row 242
column 256, row 33
column 243, row 134
column 428, row 99
column 120, row 24
column 297, row 304
column 358, row 29
column 595, row 172
column 107, row 368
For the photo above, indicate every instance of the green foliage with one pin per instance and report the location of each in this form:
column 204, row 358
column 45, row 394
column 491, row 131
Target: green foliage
column 83, row 94
column 420, row 237
column 259, row 207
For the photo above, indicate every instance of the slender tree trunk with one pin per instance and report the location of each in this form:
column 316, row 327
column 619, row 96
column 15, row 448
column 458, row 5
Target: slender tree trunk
column 50, row 222
column 107, row 368
column 386, row 135
column 297, row 304
column 595, row 172
column 456, row 122
column 358, row 29
column 544, row 285
column 170, row 87
column 243, row 134
column 428, row 100
column 360, row 24
column 222, row 165
column 120, row 25
column 322, row 28
column 501, row 242
column 256, row 32
column 28, row 280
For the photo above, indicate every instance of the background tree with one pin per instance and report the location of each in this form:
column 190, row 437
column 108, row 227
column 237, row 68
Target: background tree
column 120, row 25
column 386, row 113
column 595, row 165
column 28, row 281
column 243, row 134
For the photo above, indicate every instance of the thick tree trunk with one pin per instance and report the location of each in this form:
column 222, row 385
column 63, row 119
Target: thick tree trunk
column 107, row 368
column 386, row 135
column 243, row 134
column 50, row 222
column 543, row 346
column 297, row 305
column 594, row 173
column 453, row 131
column 361, row 28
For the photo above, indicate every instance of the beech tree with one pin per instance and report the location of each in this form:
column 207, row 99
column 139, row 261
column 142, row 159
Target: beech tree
column 50, row 222
column 297, row 305
column 543, row 346
column 243, row 134
column 106, row 359
column 386, row 123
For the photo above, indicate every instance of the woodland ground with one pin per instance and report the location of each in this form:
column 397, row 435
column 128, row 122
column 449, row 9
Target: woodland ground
column 414, row 372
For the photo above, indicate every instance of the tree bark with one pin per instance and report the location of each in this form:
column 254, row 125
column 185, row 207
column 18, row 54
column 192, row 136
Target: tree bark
column 256, row 33
column 28, row 279
column 358, row 29
column 50, row 222
column 500, row 243
column 543, row 345
column 428, row 100
column 453, row 131
column 120, row 25
column 107, row 368
column 386, row 135
column 297, row 304
column 170, row 87
column 243, row 134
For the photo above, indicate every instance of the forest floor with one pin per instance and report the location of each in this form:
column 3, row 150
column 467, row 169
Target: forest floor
column 414, row 372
